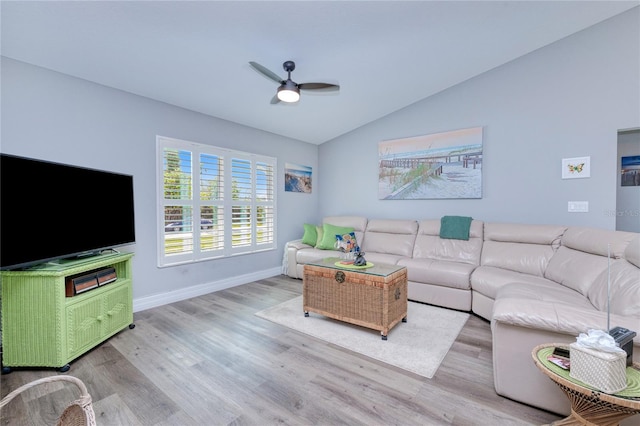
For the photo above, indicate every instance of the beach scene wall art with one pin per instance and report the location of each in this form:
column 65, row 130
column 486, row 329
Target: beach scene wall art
column 436, row 166
column 630, row 171
column 297, row 178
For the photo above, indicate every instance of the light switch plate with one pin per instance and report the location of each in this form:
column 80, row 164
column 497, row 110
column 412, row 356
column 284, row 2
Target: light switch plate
column 578, row 207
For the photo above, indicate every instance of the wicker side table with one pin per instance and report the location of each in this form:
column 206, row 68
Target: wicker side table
column 588, row 405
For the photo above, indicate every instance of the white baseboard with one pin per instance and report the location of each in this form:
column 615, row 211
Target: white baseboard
column 149, row 302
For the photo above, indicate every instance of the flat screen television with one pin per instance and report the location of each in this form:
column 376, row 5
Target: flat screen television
column 51, row 211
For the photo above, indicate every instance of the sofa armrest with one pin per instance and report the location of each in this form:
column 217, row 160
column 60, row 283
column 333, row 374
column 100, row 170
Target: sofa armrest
column 297, row 244
column 521, row 323
column 556, row 317
column 289, row 262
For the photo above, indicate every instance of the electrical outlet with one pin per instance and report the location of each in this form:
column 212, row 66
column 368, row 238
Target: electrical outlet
column 578, row 207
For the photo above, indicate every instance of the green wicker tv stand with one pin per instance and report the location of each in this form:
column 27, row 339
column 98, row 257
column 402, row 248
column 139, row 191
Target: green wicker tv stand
column 41, row 327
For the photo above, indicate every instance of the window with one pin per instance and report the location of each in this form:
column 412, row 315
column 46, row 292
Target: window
column 213, row 202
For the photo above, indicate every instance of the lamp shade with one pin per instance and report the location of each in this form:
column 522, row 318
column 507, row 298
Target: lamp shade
column 289, row 92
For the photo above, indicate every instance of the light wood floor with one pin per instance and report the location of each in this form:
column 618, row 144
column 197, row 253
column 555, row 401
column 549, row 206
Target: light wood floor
column 210, row 361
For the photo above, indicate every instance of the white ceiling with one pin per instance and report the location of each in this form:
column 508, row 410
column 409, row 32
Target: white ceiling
column 384, row 54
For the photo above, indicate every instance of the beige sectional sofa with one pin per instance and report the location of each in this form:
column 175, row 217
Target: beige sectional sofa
column 535, row 283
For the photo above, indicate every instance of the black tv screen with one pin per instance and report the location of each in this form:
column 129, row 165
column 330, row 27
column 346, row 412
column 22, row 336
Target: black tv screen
column 51, row 211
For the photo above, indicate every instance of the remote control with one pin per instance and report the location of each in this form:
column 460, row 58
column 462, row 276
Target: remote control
column 621, row 334
column 624, row 339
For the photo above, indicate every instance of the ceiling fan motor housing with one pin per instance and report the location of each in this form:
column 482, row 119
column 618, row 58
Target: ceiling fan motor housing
column 289, row 66
column 289, row 85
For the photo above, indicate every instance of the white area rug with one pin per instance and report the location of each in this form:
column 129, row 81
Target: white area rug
column 419, row 345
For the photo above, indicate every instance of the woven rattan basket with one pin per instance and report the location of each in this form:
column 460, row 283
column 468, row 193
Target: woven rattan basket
column 78, row 413
column 606, row 371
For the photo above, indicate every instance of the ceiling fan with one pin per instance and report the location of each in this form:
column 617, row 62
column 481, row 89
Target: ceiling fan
column 289, row 90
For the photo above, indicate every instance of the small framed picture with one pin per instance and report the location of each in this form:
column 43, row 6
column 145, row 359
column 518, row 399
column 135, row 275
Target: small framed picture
column 630, row 171
column 576, row 168
column 297, row 178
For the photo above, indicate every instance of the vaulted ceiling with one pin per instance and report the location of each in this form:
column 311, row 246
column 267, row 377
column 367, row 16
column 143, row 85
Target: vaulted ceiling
column 385, row 55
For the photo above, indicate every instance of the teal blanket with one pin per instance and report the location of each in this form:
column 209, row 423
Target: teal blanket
column 455, row 227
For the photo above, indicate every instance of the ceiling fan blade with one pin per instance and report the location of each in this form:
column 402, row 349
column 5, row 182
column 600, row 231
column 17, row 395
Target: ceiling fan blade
column 266, row 72
column 325, row 87
column 275, row 99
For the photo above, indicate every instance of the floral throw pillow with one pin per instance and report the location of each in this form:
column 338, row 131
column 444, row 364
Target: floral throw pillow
column 346, row 242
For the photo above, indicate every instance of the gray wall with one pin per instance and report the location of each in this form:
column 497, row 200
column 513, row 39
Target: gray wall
column 51, row 116
column 566, row 100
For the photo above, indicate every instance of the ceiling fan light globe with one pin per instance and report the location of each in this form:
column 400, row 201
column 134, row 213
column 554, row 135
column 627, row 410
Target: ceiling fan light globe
column 288, row 94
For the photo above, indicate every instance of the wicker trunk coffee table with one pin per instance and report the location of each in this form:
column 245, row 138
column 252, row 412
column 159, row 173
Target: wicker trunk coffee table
column 374, row 297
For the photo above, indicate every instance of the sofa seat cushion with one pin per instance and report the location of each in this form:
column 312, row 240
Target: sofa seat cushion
column 487, row 280
column 552, row 308
column 545, row 291
column 439, row 272
column 310, row 254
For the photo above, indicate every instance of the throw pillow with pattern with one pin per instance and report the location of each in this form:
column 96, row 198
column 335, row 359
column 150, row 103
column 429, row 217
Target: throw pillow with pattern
column 346, row 242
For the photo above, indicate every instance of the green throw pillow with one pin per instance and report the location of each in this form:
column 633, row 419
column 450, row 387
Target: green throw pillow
column 320, row 233
column 310, row 234
column 329, row 233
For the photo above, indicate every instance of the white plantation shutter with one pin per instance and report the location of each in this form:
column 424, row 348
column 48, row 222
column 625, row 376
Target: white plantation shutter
column 212, row 230
column 177, row 212
column 213, row 202
column 265, row 199
column 241, row 205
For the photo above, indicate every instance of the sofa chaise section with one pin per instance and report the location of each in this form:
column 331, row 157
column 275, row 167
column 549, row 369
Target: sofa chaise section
column 571, row 301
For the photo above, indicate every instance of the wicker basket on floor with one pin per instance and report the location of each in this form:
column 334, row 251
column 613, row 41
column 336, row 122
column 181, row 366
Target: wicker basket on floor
column 78, row 413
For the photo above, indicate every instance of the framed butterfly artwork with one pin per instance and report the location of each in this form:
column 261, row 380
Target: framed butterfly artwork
column 576, row 168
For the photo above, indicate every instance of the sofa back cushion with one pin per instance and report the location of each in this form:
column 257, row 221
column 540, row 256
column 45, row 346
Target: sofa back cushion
column 595, row 241
column 358, row 223
column 622, row 284
column 632, row 252
column 390, row 236
column 583, row 256
column 520, row 248
column 429, row 245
